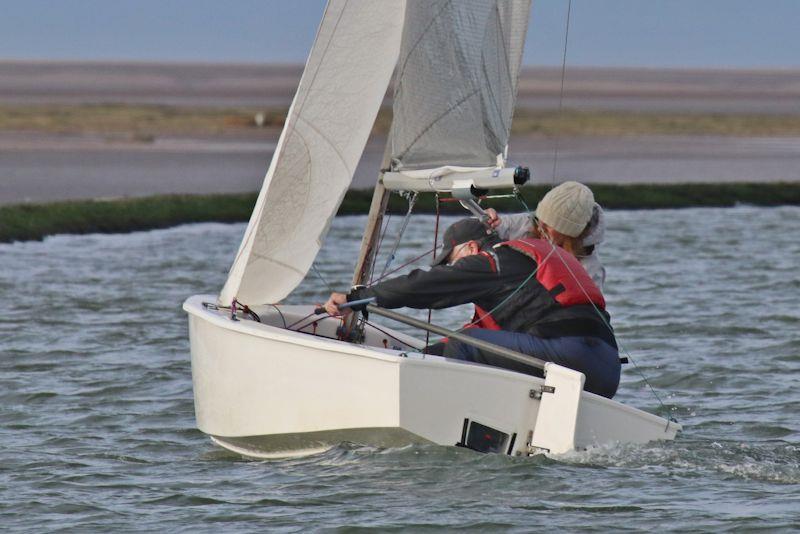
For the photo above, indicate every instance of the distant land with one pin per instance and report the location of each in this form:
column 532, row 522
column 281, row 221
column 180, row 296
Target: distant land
column 79, row 130
column 232, row 85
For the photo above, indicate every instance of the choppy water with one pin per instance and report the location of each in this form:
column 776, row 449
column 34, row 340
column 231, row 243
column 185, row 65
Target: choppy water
column 97, row 422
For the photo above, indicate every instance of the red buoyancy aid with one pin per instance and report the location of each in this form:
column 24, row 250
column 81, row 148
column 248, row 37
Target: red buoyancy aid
column 557, row 267
column 552, row 272
column 481, row 318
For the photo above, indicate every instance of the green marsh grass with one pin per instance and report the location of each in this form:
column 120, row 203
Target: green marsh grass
column 24, row 222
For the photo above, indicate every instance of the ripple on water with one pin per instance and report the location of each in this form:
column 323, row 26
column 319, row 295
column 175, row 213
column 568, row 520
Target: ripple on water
column 97, row 416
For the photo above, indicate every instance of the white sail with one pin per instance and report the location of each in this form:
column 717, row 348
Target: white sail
column 457, row 83
column 328, row 124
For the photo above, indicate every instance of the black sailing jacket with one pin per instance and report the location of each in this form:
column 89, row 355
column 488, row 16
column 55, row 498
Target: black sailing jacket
column 474, row 279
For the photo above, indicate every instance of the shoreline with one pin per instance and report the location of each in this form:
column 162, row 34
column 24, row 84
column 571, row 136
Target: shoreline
column 34, row 222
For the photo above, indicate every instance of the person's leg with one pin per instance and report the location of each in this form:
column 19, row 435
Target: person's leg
column 597, row 360
column 437, row 349
column 523, row 343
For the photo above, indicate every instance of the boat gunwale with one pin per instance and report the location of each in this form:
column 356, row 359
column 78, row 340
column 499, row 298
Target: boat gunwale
column 194, row 306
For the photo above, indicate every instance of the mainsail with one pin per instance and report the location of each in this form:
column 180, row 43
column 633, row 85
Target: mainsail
column 328, row 124
column 457, row 82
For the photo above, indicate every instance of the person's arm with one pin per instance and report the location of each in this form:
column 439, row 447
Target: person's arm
column 511, row 226
column 594, row 268
column 443, row 286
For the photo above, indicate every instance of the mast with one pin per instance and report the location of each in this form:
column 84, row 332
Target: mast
column 369, row 243
column 380, row 199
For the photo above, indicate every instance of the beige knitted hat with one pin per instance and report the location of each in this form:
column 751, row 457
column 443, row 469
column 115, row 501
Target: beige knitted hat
column 567, row 208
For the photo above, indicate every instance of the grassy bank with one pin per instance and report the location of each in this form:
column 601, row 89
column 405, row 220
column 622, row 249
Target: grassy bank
column 35, row 221
column 146, row 122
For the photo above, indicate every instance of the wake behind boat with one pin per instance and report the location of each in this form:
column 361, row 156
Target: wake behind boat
column 276, row 380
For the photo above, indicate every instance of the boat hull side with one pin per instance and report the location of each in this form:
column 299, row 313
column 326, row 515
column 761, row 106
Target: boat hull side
column 265, row 391
column 252, row 385
column 437, row 396
column 603, row 421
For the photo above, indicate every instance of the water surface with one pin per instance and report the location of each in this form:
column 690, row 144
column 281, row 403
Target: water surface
column 97, row 421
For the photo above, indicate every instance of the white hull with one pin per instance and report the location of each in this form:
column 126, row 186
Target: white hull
column 262, row 390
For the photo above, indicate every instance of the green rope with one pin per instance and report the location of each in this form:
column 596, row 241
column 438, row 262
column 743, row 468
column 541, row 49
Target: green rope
column 503, row 302
column 619, row 343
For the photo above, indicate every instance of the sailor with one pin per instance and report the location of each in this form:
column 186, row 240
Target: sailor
column 569, row 216
column 529, row 294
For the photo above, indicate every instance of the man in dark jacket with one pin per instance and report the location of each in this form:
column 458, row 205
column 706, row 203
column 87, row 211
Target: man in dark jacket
column 529, row 296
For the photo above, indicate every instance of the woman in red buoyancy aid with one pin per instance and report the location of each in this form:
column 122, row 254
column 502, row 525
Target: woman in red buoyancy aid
column 558, row 218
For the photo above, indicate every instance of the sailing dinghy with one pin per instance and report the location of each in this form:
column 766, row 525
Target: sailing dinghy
column 277, row 380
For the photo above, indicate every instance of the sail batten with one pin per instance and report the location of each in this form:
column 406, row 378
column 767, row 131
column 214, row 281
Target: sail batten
column 329, row 121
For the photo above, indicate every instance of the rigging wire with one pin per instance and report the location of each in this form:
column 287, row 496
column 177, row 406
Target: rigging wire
column 406, row 264
column 553, row 180
column 378, row 247
column 435, row 245
column 412, row 200
column 561, row 93
column 319, row 275
column 605, row 322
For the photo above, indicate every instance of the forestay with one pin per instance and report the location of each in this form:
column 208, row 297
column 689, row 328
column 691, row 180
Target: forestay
column 457, row 82
column 329, row 121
